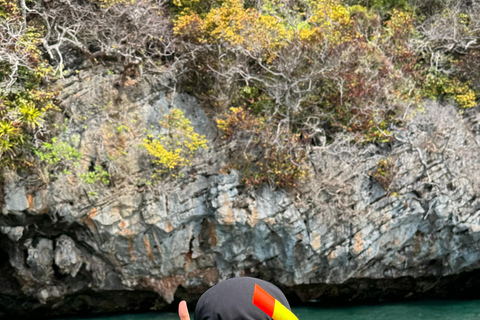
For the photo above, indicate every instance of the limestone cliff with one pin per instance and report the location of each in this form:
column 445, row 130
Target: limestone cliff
column 132, row 245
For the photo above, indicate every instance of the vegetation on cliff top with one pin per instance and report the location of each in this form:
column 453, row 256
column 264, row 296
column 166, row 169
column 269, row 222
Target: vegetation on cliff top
column 280, row 76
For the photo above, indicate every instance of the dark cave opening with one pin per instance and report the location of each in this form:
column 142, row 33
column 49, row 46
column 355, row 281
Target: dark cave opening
column 3, row 256
column 9, row 284
column 5, row 267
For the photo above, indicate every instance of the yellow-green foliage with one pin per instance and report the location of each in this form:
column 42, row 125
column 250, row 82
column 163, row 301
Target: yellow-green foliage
column 57, row 157
column 23, row 108
column 384, row 6
column 438, row 86
column 362, row 62
column 385, row 172
column 378, row 132
column 17, row 120
column 233, row 23
column 268, row 30
column 263, row 32
column 330, row 22
column 21, row 115
column 59, row 151
column 8, row 8
column 464, row 96
column 176, row 147
column 99, row 174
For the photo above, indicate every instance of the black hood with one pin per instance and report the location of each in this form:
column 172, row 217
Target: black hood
column 232, row 300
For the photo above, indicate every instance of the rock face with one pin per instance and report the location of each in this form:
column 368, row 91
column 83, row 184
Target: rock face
column 68, row 247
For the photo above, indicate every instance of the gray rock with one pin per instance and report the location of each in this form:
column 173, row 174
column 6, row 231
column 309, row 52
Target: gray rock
column 40, row 260
column 342, row 237
column 15, row 196
column 67, row 257
column 13, row 233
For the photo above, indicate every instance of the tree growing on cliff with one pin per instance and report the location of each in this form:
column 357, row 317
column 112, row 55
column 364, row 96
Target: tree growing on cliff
column 175, row 147
column 299, row 66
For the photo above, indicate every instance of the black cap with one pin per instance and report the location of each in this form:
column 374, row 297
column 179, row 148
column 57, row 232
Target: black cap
column 232, row 300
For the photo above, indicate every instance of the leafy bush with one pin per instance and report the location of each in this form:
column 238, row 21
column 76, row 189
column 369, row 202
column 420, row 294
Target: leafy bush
column 324, row 58
column 385, row 172
column 99, row 174
column 57, row 157
column 443, row 86
column 308, row 64
column 24, row 102
column 59, row 151
column 174, row 148
column 448, row 43
column 266, row 156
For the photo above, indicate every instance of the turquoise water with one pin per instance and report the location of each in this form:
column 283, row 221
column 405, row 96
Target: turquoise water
column 425, row 310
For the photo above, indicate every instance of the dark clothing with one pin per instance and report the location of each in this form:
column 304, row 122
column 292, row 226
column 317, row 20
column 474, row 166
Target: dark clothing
column 232, row 300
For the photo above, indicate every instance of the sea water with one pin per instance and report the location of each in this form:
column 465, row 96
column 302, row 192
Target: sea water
column 425, row 310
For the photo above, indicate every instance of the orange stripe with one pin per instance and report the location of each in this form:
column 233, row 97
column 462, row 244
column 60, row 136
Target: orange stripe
column 263, row 300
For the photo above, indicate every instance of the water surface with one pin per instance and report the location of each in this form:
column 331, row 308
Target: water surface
column 425, row 310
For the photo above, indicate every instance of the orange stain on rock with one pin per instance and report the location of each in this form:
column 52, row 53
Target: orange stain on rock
column 30, row 200
column 357, row 243
column 168, row 227
column 148, row 249
column 130, row 249
column 92, row 213
column 122, row 224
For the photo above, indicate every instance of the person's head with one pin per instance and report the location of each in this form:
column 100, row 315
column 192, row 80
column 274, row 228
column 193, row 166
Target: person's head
column 233, row 300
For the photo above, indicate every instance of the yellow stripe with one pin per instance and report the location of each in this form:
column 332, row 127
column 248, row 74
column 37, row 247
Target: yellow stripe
column 282, row 313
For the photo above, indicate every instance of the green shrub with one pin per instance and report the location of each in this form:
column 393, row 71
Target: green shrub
column 442, row 86
column 24, row 102
column 176, row 147
column 57, row 157
column 98, row 175
column 59, row 151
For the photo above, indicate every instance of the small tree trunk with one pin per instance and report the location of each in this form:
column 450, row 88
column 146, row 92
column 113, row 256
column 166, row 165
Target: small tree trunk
column 23, row 7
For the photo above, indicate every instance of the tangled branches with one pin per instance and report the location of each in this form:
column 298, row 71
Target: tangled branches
column 132, row 33
column 17, row 46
